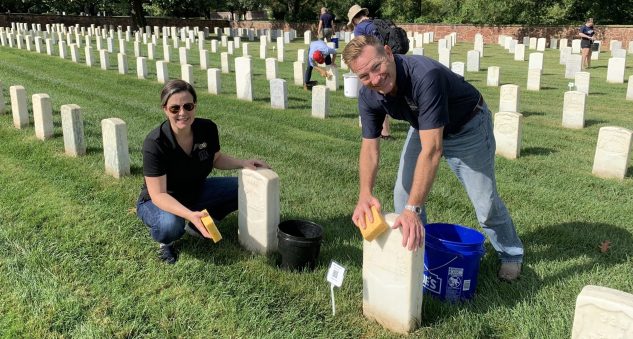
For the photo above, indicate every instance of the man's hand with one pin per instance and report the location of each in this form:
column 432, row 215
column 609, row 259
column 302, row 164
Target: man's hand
column 195, row 218
column 412, row 230
column 363, row 208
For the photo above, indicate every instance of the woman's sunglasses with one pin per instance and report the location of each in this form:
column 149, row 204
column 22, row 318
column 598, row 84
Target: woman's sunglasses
column 176, row 108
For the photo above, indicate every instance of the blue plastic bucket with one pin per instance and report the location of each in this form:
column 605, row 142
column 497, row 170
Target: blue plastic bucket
column 335, row 41
column 451, row 261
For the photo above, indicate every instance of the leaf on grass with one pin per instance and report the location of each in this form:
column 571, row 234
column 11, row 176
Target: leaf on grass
column 605, row 246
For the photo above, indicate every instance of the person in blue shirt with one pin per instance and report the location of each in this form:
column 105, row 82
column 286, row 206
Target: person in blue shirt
column 363, row 25
column 449, row 118
column 319, row 54
column 326, row 24
column 587, row 38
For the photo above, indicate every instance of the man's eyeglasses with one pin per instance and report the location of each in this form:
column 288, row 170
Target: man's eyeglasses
column 176, row 108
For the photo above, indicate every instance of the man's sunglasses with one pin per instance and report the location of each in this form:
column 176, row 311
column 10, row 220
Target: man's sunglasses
column 174, row 109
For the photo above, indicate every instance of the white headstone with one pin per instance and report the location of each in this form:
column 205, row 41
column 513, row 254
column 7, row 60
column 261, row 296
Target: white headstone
column 104, row 59
column 553, row 43
column 43, row 116
column 280, row 49
column 629, row 90
column 73, row 130
column 615, row 70
column 19, row 106
column 278, row 93
column 573, row 65
column 493, row 76
column 186, row 73
column 509, row 98
column 243, row 78
column 575, row 46
column 332, row 81
column 214, row 46
column 536, row 61
column 213, row 81
column 534, row 79
column 574, row 109
column 417, row 51
column 445, row 57
column 183, row 55
column 224, row 62
column 245, row 49
column 271, row 68
column 151, row 51
column 230, row 48
column 508, row 128
column 472, row 61
column 307, row 37
column 141, row 67
column 301, row 55
column 519, row 52
column 162, row 74
column 320, row 101
column 390, row 273
column 258, row 206
column 115, row 147
column 458, row 68
column 166, row 53
column 533, row 42
column 618, row 53
column 613, row 152
column 615, row 44
column 122, row 62
column 565, row 52
column 540, row 44
column 582, row 81
column 62, row 49
column 602, row 312
column 298, row 73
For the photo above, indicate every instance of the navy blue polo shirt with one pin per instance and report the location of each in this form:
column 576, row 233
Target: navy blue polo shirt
column 185, row 173
column 429, row 96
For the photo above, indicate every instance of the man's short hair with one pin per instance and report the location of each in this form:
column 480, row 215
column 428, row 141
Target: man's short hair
column 355, row 47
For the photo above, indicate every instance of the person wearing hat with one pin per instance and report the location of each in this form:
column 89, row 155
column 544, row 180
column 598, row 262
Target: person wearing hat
column 318, row 54
column 363, row 25
column 326, row 24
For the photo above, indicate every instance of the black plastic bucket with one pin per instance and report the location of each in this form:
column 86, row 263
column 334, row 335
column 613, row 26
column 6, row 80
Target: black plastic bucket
column 299, row 243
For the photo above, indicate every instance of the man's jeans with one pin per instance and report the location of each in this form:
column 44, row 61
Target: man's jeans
column 471, row 155
column 218, row 197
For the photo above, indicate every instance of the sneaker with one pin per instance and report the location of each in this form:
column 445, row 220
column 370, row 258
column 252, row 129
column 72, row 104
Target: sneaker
column 192, row 230
column 510, row 271
column 168, row 253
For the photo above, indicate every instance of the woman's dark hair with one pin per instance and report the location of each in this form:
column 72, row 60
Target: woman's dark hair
column 176, row 86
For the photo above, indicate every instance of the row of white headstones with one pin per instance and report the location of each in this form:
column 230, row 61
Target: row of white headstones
column 260, row 189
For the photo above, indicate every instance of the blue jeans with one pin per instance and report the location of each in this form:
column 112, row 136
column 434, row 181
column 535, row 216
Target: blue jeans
column 218, row 197
column 471, row 156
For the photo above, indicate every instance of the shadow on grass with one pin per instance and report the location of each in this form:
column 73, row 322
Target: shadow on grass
column 574, row 243
column 591, row 122
column 536, row 151
column 629, row 172
column 548, row 87
column 528, row 113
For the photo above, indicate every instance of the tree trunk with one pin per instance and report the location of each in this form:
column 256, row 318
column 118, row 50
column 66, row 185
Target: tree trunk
column 136, row 12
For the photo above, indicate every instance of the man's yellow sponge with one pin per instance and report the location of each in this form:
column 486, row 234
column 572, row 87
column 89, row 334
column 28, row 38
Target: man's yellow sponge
column 211, row 228
column 374, row 229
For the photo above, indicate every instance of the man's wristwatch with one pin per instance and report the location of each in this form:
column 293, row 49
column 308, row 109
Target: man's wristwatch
column 414, row 208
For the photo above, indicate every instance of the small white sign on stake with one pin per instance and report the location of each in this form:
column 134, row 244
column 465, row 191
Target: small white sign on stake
column 335, row 276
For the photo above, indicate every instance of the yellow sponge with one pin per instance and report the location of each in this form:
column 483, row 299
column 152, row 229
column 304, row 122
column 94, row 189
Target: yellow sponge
column 211, row 228
column 374, row 229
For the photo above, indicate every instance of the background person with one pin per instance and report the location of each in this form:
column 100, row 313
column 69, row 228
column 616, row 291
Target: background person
column 178, row 156
column 319, row 53
column 363, row 25
column 586, row 36
column 448, row 118
column 326, row 24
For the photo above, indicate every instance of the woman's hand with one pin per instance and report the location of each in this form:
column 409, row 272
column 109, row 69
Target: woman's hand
column 195, row 217
column 254, row 164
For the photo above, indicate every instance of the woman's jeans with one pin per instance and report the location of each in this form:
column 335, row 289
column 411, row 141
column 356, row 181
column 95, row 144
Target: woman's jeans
column 218, row 197
column 471, row 156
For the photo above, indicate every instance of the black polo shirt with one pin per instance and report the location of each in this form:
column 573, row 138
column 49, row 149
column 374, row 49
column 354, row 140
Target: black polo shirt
column 429, row 96
column 185, row 173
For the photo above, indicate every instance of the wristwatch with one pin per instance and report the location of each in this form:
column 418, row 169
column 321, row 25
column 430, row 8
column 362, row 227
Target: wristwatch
column 414, row 208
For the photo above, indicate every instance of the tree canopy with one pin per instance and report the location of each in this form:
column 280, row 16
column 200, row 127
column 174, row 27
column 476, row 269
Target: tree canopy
column 479, row 12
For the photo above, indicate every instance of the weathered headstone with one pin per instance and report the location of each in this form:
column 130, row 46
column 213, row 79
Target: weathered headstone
column 162, row 73
column 508, row 128
column 573, row 65
column 320, row 101
column 19, row 106
column 391, row 272
column 493, row 78
column 243, row 78
column 574, row 109
column 258, row 206
column 602, row 312
column 115, row 147
column 458, row 68
column 42, row 116
column 271, row 68
column 509, row 98
column 278, row 93
column 73, row 130
column 186, row 73
column 613, row 152
column 472, row 61
column 615, row 70
column 534, row 79
column 582, row 81
column 213, row 81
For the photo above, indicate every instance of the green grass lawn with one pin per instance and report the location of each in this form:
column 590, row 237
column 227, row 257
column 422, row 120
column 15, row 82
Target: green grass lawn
column 76, row 262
